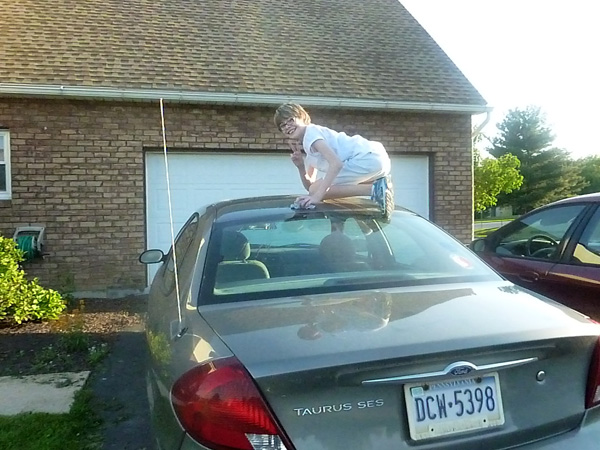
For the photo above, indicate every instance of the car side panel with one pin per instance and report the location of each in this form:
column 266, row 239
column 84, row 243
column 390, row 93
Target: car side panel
column 178, row 338
column 172, row 356
column 162, row 312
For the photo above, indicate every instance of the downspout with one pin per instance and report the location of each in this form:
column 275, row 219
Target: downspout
column 477, row 131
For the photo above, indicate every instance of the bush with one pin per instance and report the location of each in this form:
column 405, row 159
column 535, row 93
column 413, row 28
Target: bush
column 20, row 299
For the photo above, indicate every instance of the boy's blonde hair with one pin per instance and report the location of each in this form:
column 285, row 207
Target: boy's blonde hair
column 287, row 110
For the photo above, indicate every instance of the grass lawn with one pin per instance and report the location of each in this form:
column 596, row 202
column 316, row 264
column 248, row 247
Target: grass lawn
column 77, row 430
column 483, row 232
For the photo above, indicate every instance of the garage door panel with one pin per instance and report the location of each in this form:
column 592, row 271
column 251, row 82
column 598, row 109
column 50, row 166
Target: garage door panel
column 410, row 175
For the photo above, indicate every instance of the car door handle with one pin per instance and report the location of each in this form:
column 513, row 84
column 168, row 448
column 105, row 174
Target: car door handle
column 529, row 277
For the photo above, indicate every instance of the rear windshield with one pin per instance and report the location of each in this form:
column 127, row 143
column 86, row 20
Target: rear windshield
column 319, row 253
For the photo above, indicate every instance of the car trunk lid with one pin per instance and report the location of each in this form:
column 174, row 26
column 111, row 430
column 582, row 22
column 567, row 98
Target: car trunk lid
column 326, row 363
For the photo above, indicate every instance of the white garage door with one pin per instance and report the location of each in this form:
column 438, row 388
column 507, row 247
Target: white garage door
column 201, row 178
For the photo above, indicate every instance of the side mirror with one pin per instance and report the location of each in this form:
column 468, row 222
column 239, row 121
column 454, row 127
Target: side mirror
column 152, row 256
column 478, row 245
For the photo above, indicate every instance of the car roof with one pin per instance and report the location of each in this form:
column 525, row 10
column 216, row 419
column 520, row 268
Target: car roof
column 588, row 198
column 259, row 205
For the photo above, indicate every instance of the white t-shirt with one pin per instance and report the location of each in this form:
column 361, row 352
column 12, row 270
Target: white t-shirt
column 344, row 146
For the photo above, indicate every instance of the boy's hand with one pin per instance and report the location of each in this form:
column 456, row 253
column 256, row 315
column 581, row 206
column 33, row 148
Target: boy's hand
column 306, row 200
column 296, row 155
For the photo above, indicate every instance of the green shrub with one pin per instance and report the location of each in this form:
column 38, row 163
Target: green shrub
column 20, row 299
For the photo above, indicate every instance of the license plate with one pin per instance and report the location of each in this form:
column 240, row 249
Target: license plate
column 453, row 406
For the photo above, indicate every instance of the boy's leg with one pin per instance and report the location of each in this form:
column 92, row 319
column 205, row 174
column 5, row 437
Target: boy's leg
column 367, row 176
column 347, row 190
column 362, row 170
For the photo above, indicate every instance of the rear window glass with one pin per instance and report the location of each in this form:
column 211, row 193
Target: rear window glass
column 315, row 253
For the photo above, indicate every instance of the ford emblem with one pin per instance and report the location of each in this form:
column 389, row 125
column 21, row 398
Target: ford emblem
column 460, row 368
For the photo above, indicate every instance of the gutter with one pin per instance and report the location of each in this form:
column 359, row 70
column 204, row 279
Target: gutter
column 227, row 98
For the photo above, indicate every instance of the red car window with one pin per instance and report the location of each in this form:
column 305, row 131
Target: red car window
column 539, row 235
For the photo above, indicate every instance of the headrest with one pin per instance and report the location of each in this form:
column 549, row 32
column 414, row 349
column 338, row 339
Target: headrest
column 234, row 246
column 337, row 248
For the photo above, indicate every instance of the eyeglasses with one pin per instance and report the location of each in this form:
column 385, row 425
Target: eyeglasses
column 286, row 123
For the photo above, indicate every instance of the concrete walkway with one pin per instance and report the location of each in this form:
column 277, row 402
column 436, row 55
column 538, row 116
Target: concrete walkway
column 49, row 393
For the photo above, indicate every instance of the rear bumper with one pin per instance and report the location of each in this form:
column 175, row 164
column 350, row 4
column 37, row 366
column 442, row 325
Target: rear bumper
column 585, row 437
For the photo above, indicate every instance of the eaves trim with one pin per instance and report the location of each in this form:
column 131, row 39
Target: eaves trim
column 228, row 98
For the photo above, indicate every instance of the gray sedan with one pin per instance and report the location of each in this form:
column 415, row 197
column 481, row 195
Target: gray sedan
column 328, row 329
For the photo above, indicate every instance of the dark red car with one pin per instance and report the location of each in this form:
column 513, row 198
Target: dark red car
column 553, row 250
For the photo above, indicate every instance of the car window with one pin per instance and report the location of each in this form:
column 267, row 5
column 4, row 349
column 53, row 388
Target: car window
column 312, row 253
column 587, row 250
column 538, row 235
column 182, row 246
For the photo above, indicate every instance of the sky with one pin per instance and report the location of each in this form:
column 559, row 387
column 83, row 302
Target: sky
column 520, row 53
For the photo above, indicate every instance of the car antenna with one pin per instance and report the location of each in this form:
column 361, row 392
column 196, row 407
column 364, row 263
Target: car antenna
column 164, row 138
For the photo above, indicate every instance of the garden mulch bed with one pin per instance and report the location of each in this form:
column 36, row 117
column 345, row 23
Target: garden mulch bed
column 69, row 343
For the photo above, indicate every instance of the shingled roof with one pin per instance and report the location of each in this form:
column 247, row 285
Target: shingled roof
column 345, row 49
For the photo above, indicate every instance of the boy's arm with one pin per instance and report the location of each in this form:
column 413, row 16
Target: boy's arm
column 335, row 165
column 298, row 160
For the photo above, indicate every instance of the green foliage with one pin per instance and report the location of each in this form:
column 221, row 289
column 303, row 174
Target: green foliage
column 493, row 177
column 590, row 170
column 75, row 341
column 21, row 299
column 68, row 352
column 97, row 353
column 548, row 172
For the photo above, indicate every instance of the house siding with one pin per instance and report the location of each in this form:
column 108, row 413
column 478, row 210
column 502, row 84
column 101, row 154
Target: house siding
column 78, row 169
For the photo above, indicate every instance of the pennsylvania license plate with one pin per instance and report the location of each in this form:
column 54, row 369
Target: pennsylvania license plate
column 453, row 406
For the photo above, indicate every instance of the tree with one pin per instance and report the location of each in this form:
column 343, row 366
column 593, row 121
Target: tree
column 590, row 171
column 494, row 176
column 548, row 172
column 523, row 133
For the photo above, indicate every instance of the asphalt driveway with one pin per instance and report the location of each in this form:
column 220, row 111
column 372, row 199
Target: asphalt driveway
column 119, row 387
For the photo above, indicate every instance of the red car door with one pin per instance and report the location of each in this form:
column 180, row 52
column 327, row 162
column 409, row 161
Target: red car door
column 533, row 251
column 529, row 273
column 576, row 278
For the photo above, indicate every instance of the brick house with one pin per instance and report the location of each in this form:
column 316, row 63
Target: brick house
column 81, row 140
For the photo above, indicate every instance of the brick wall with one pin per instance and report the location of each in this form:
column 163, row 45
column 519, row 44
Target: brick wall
column 78, row 169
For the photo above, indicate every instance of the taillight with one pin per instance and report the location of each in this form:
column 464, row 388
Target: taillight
column 219, row 406
column 592, row 397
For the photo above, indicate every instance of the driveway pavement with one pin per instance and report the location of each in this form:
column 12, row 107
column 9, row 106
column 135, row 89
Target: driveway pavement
column 119, row 387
